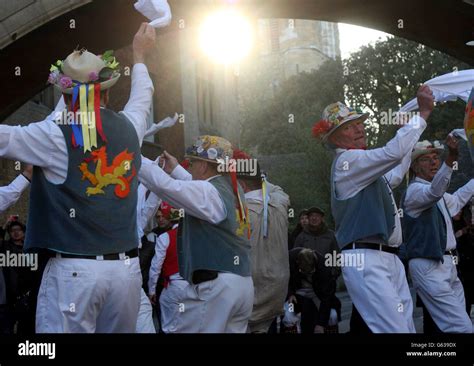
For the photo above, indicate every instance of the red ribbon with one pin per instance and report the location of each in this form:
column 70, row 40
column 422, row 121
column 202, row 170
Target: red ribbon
column 98, row 120
column 233, row 177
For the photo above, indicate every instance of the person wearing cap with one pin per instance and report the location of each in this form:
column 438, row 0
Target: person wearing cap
column 165, row 265
column 268, row 216
column 429, row 236
column 213, row 239
column 83, row 200
column 317, row 236
column 365, row 212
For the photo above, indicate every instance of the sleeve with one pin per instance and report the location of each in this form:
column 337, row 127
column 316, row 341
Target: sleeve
column 420, row 197
column 10, row 194
column 357, row 169
column 198, row 198
column 396, row 175
column 40, row 144
column 147, row 207
column 138, row 107
column 180, row 173
column 161, row 247
column 460, row 198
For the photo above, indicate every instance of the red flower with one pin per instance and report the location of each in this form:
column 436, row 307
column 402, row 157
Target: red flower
column 185, row 164
column 321, row 128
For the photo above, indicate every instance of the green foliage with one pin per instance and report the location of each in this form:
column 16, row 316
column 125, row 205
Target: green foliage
column 378, row 79
column 382, row 77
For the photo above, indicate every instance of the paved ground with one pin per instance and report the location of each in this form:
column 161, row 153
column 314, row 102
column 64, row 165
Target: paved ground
column 347, row 308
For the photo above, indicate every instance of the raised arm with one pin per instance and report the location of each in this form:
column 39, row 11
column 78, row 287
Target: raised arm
column 138, row 106
column 460, row 198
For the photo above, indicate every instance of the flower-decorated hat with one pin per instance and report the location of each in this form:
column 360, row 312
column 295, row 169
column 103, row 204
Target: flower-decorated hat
column 210, row 148
column 334, row 116
column 83, row 67
column 426, row 147
column 85, row 75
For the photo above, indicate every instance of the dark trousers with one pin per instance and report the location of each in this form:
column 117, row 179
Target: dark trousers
column 309, row 314
column 357, row 324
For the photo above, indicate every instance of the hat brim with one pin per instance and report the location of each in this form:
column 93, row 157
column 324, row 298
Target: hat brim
column 352, row 118
column 199, row 158
column 103, row 85
column 417, row 153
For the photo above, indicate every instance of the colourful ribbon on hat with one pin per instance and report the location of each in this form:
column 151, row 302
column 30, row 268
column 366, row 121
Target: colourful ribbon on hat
column 91, row 116
column 266, row 199
column 76, row 127
column 85, row 132
column 242, row 213
column 98, row 119
column 84, row 117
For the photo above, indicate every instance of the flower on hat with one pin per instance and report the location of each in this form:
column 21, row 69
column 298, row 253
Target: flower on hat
column 53, row 77
column 65, row 82
column 321, row 128
column 93, row 76
column 212, row 153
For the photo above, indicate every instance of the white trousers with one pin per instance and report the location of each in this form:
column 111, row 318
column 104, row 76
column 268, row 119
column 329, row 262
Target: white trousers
column 87, row 296
column 379, row 291
column 145, row 315
column 442, row 293
column 171, row 305
column 223, row 305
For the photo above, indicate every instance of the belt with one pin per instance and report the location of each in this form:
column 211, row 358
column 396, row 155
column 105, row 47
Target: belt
column 203, row 275
column 106, row 257
column 381, row 247
column 452, row 252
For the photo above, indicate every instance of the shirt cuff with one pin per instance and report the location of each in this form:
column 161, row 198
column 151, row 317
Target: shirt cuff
column 139, row 68
column 180, row 173
column 20, row 183
column 417, row 122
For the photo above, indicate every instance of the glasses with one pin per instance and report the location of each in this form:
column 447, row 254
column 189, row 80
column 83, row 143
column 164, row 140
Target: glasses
column 428, row 160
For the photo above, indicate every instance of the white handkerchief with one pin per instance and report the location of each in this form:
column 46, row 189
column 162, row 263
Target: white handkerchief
column 158, row 11
column 459, row 132
column 167, row 122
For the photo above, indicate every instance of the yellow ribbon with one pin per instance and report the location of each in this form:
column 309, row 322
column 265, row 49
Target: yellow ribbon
column 84, row 117
column 91, row 114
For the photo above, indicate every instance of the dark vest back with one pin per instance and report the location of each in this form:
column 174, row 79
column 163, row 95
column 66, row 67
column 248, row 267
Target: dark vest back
column 94, row 211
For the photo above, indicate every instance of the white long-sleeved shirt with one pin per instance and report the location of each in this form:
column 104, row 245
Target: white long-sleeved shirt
column 42, row 143
column 198, row 198
column 161, row 246
column 422, row 194
column 357, row 169
column 146, row 209
column 10, row 194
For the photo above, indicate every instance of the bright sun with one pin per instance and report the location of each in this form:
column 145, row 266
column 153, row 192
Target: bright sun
column 226, row 37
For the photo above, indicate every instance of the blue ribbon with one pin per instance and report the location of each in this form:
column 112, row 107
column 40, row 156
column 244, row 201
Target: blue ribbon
column 76, row 127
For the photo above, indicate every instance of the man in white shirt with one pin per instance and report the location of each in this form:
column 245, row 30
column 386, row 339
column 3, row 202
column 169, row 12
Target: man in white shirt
column 213, row 248
column 429, row 235
column 365, row 212
column 87, row 219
